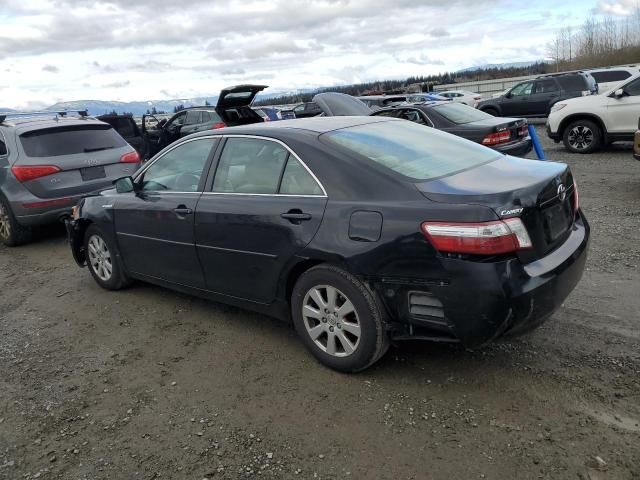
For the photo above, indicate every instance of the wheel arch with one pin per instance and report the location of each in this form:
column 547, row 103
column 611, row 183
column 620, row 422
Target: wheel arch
column 582, row 116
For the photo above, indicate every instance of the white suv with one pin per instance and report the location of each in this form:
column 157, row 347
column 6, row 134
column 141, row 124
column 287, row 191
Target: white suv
column 585, row 124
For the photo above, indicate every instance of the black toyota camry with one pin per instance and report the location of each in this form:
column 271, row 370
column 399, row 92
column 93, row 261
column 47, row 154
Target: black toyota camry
column 361, row 230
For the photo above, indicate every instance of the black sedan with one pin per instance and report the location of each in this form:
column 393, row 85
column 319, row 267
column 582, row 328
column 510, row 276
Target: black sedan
column 507, row 135
column 361, row 230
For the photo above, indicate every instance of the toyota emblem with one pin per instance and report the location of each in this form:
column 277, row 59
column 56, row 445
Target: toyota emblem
column 562, row 192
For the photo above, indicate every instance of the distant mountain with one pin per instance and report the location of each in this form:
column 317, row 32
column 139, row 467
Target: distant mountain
column 100, row 107
column 500, row 65
column 6, row 109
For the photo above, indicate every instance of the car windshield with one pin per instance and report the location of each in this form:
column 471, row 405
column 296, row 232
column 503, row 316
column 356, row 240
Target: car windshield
column 411, row 150
column 70, row 140
column 461, row 114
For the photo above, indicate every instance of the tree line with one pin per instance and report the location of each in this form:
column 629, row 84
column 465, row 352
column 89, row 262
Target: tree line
column 597, row 43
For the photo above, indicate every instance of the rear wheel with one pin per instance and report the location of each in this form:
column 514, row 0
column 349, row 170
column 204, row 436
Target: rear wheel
column 339, row 319
column 103, row 261
column 491, row 111
column 582, row 136
column 12, row 233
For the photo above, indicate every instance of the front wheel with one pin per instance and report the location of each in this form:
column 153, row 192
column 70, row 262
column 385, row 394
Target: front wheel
column 103, row 261
column 582, row 136
column 339, row 319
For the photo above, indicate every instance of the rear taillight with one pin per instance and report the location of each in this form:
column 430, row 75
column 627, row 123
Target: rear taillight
column 131, row 157
column 486, row 238
column 523, row 130
column 496, row 138
column 218, row 125
column 31, row 172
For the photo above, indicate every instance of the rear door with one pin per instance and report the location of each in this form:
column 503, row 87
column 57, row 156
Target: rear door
column 624, row 111
column 544, row 92
column 262, row 208
column 155, row 225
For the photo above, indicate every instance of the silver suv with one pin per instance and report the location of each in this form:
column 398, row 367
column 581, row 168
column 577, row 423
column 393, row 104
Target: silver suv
column 48, row 162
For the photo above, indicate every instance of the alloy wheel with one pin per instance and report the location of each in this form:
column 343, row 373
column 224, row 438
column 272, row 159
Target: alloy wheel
column 5, row 224
column 580, row 137
column 100, row 257
column 331, row 320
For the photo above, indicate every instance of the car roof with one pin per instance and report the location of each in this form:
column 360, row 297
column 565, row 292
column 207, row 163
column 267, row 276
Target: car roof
column 28, row 124
column 316, row 125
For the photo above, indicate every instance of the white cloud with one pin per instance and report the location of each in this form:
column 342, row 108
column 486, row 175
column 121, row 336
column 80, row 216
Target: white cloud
column 148, row 49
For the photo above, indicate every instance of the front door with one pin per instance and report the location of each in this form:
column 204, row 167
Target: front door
column 516, row 102
column 264, row 206
column 624, row 111
column 155, row 225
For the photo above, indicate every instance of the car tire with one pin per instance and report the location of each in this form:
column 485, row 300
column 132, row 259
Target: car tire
column 582, row 136
column 103, row 260
column 491, row 111
column 349, row 340
column 12, row 234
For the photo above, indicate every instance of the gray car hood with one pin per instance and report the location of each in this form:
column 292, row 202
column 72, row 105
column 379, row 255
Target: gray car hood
column 341, row 105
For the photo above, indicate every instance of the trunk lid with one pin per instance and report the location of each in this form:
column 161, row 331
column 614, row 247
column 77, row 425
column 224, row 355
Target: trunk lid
column 340, row 104
column 238, row 96
column 540, row 193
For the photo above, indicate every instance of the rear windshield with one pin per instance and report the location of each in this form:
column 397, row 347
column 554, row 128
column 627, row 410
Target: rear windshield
column 460, row 114
column 412, row 150
column 573, row 83
column 70, row 140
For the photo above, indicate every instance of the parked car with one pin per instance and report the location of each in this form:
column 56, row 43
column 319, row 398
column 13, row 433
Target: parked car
column 422, row 235
column 534, row 98
column 507, row 135
column 609, row 77
column 586, row 124
column 381, row 101
column 233, row 108
column 636, row 143
column 48, row 162
column 462, row 96
column 126, row 126
column 268, row 114
column 426, row 97
column 307, row 109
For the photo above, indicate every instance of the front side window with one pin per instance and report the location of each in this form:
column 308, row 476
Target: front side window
column 180, row 169
column 177, row 121
column 522, row 89
column 409, row 149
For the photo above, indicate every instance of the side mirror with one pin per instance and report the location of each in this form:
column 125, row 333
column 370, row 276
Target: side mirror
column 507, row 95
column 619, row 93
column 124, row 185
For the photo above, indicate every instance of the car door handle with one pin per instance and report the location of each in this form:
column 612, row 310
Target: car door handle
column 182, row 210
column 296, row 216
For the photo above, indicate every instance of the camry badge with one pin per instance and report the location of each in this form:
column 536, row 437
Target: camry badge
column 562, row 192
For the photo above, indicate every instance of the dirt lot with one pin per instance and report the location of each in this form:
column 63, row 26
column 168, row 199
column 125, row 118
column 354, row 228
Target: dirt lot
column 147, row 383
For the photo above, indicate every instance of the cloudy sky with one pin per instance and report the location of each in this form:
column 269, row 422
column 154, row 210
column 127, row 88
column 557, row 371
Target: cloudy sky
column 61, row 50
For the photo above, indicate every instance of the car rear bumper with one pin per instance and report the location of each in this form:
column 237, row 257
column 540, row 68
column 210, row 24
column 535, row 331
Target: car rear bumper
column 480, row 301
column 517, row 149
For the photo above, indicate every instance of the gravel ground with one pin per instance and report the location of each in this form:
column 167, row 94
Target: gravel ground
column 147, row 383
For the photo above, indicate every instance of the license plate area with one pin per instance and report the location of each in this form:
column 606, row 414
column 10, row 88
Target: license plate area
column 557, row 220
column 92, row 173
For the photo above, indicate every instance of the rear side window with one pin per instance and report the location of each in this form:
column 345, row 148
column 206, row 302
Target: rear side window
column 296, row 180
column 460, row 114
column 410, row 150
column 610, row 76
column 70, row 140
column 3, row 145
column 546, row 86
column 573, row 83
column 250, row 165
